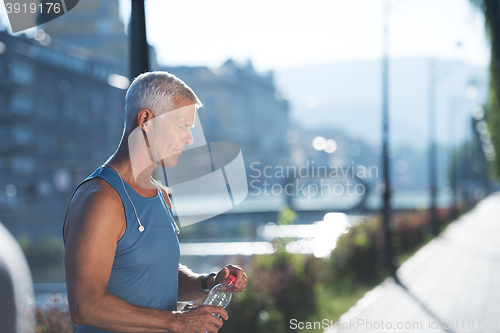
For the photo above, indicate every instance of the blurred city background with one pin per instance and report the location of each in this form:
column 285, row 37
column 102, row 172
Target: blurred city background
column 302, row 89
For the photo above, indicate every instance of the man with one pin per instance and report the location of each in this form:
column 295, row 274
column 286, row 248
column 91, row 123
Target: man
column 122, row 252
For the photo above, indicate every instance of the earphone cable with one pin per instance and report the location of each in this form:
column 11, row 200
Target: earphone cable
column 141, row 227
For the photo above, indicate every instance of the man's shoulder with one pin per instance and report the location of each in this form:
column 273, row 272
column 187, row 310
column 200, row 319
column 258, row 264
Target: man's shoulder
column 95, row 191
column 96, row 204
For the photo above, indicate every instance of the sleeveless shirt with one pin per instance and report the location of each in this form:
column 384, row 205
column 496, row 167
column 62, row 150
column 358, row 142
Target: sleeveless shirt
column 145, row 267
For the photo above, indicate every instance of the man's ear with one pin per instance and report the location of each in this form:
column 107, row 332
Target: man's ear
column 143, row 117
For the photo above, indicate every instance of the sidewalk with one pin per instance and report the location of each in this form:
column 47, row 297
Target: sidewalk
column 450, row 285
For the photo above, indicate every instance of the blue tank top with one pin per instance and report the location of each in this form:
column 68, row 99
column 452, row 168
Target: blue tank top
column 145, row 268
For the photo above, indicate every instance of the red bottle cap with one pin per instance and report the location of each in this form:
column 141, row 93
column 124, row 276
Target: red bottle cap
column 231, row 279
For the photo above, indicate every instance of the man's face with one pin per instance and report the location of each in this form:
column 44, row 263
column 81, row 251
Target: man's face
column 169, row 133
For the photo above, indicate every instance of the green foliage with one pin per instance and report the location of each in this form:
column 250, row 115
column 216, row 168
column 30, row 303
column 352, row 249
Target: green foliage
column 54, row 318
column 45, row 259
column 410, row 229
column 491, row 11
column 281, row 287
column 493, row 116
column 284, row 286
column 355, row 259
column 462, row 168
column 286, row 216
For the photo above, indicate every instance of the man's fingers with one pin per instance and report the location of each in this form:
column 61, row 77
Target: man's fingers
column 238, row 272
column 216, row 321
column 221, row 275
column 202, row 318
column 241, row 277
column 212, row 329
column 216, row 310
column 240, row 289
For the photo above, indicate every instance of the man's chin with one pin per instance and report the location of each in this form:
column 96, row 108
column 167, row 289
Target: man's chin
column 170, row 161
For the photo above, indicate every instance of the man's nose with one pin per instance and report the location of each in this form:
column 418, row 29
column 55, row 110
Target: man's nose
column 189, row 138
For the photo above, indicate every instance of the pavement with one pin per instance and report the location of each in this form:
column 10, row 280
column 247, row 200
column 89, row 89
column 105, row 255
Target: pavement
column 450, row 285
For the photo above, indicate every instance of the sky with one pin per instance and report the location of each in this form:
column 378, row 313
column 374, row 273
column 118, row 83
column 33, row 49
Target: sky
column 280, row 34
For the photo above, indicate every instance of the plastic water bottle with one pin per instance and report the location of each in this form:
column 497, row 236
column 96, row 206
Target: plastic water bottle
column 220, row 295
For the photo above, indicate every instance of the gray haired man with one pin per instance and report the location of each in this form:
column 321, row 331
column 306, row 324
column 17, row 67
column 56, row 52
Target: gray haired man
column 122, row 251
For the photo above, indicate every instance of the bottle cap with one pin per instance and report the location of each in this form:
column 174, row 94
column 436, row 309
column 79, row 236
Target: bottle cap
column 231, row 279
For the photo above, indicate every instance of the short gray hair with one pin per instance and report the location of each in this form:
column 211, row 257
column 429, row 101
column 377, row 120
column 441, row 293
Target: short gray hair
column 155, row 91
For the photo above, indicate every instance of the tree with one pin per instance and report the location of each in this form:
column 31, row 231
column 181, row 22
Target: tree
column 491, row 10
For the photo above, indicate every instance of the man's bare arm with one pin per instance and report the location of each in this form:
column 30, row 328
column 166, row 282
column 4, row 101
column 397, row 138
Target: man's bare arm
column 190, row 285
column 95, row 223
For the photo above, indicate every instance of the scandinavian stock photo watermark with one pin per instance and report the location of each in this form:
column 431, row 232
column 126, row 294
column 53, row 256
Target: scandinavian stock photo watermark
column 310, row 180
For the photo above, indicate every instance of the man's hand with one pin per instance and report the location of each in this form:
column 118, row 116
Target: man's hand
column 190, row 284
column 199, row 318
column 241, row 277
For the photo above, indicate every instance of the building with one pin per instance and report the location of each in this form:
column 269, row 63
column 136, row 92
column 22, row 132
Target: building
column 94, row 25
column 66, row 76
column 241, row 106
column 60, row 117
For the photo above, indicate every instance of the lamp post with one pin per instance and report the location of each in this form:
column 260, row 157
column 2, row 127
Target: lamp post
column 386, row 208
column 453, row 157
column 139, row 55
column 432, row 147
column 471, row 94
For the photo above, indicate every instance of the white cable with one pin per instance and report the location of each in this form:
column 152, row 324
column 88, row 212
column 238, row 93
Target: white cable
column 155, row 182
column 141, row 227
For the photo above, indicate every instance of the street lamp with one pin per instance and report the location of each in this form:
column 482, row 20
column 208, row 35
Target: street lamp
column 432, row 147
column 453, row 158
column 386, row 208
column 471, row 94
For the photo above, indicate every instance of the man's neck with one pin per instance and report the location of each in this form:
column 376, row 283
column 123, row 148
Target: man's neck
column 121, row 161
